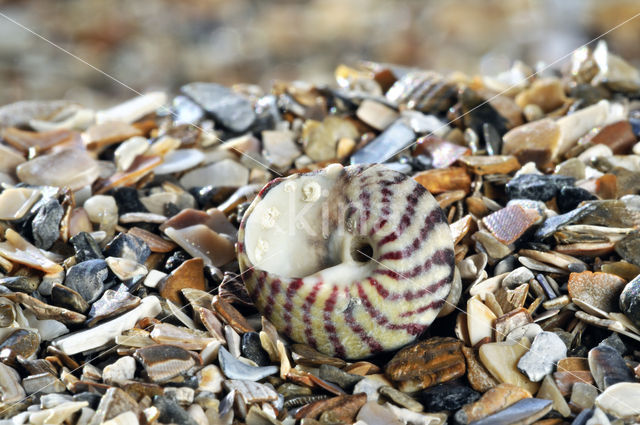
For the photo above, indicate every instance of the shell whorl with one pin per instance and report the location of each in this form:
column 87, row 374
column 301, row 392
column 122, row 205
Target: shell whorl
column 352, row 306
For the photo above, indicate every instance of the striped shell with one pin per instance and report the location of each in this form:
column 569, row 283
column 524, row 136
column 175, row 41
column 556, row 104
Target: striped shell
column 350, row 260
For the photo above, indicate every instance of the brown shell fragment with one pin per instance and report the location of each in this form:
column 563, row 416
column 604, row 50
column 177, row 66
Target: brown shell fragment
column 598, row 289
column 155, row 242
column 25, row 140
column 102, row 135
column 44, row 311
column 18, row 249
column 444, row 179
column 510, row 223
column 188, row 275
column 427, row 363
column 341, row 409
column 496, row 164
column 231, row 316
column 141, row 166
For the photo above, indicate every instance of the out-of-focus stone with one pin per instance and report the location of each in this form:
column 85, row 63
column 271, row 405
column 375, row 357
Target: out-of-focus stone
column 443, row 153
column 225, row 173
column 24, row 140
column 70, row 167
column 497, row 164
column 376, row 114
column 536, row 141
column 394, row 139
column 279, row 148
column 99, row 136
column 231, row 109
column 618, row 136
column 547, row 93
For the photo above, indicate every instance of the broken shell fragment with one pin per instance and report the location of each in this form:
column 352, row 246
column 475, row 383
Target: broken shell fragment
column 374, row 257
column 164, row 362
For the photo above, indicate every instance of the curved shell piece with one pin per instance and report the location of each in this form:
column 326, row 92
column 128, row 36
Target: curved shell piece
column 350, row 260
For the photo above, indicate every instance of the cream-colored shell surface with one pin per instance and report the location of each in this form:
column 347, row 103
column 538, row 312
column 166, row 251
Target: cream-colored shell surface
column 350, row 260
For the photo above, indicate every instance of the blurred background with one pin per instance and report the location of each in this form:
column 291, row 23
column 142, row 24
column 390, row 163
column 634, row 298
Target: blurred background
column 166, row 43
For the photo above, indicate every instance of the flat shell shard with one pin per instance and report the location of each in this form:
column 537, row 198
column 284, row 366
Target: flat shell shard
column 510, row 223
column 17, row 249
column 374, row 292
column 104, row 333
column 233, row 368
column 71, row 167
column 164, row 362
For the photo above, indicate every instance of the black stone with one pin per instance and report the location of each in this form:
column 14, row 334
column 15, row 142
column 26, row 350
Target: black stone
column 252, row 349
column 630, row 300
column 128, row 200
column 128, row 246
column 171, row 412
column 552, row 224
column 174, row 260
column 86, row 247
column 338, row 376
column 537, row 187
column 92, row 398
column 45, row 226
column 227, row 107
column 87, row 279
column 26, row 284
column 65, row 297
column 570, row 197
column 492, row 139
column 391, row 141
column 447, row 396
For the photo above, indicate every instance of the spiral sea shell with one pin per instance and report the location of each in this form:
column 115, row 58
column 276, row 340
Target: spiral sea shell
column 350, row 260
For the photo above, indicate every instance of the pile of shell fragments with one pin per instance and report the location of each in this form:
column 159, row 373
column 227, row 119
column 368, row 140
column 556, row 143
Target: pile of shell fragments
column 120, row 295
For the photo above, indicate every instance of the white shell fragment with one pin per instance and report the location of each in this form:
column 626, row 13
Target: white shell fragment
column 102, row 334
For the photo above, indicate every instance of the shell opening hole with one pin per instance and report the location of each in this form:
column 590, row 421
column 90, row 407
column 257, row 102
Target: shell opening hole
column 361, row 251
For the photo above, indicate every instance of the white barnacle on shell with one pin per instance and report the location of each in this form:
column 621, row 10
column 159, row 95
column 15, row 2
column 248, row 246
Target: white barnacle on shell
column 366, row 267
